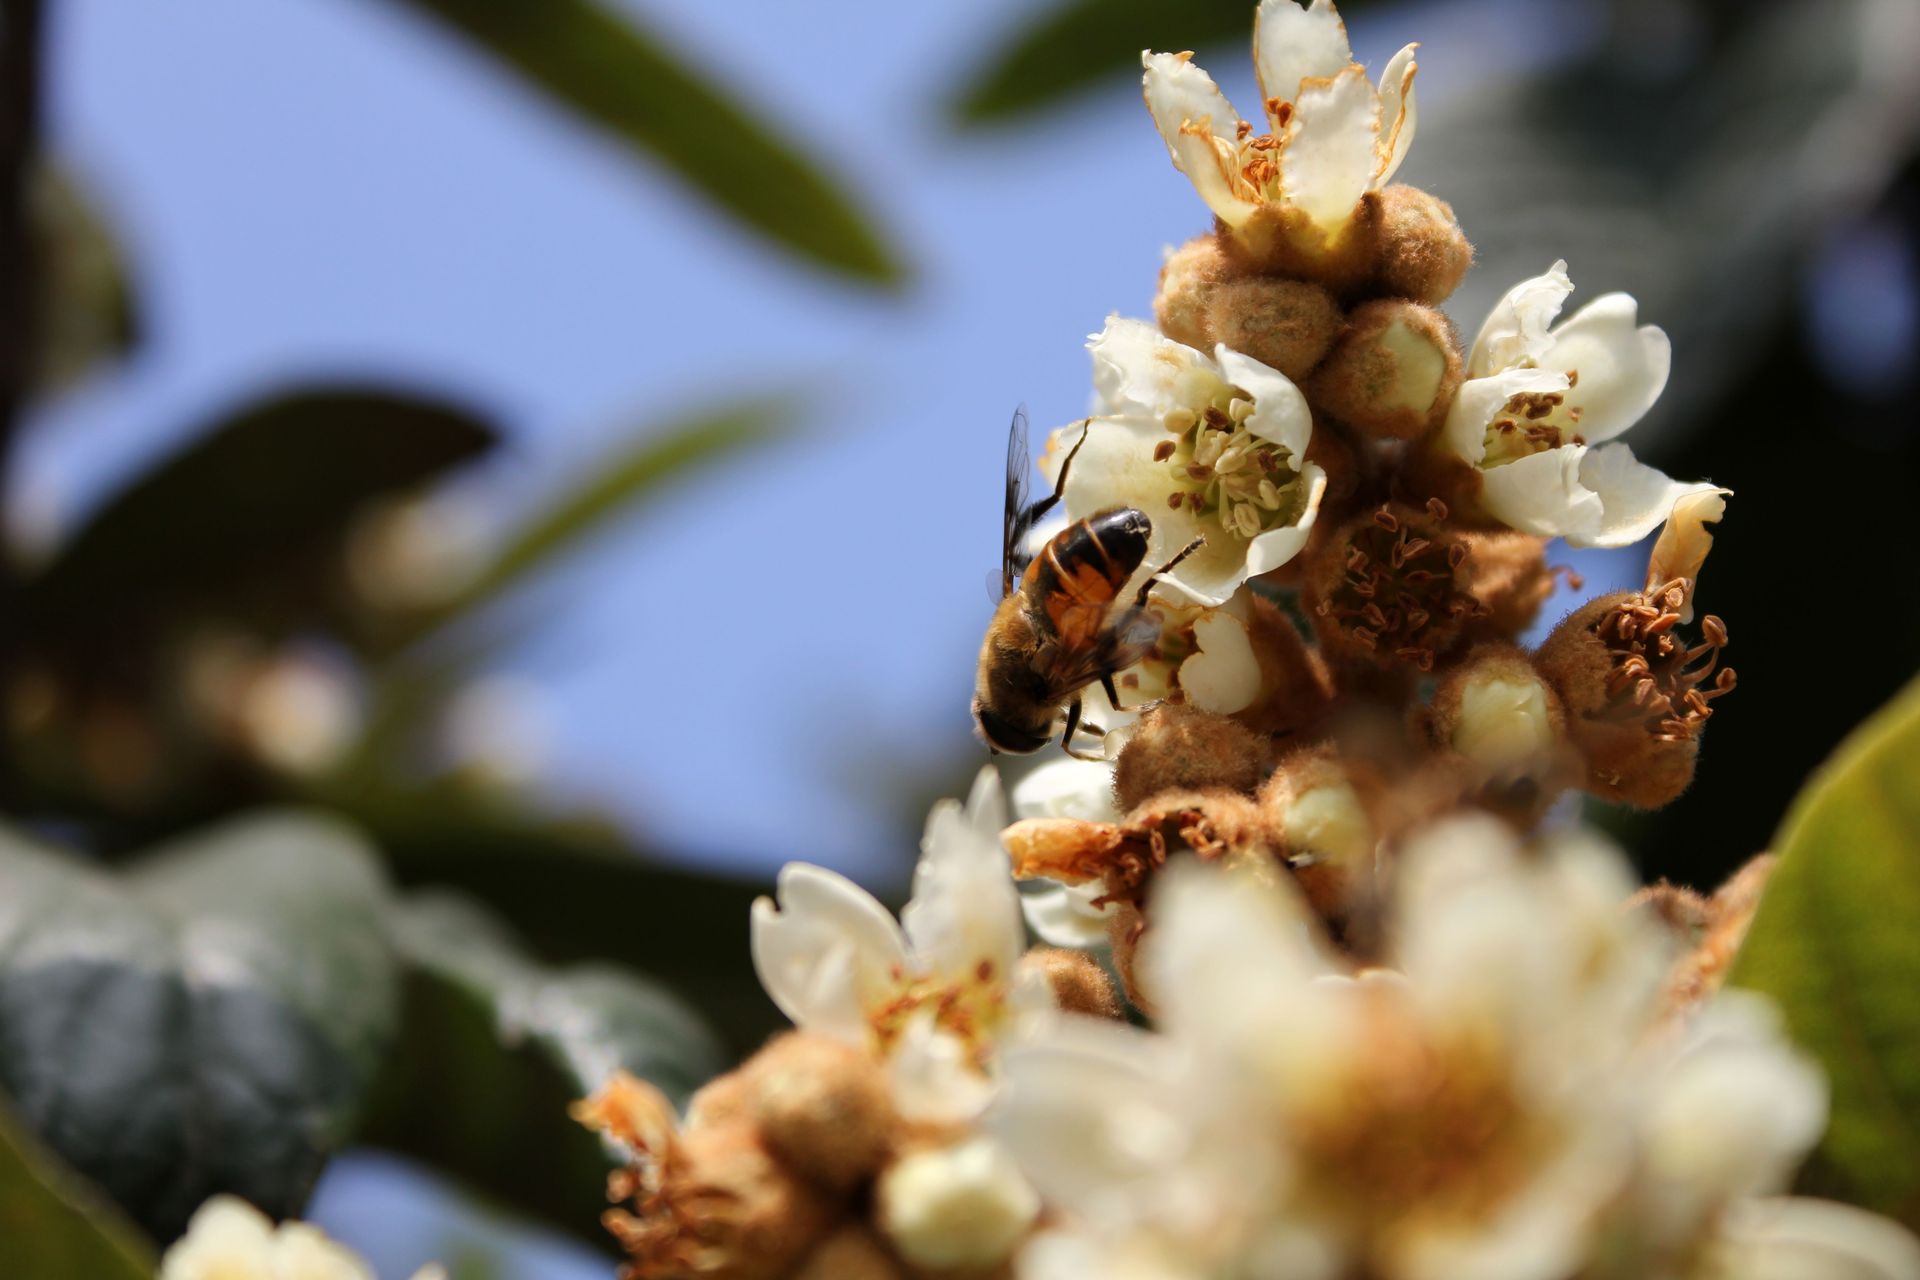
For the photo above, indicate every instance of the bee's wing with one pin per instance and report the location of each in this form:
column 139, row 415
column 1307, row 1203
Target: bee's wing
column 1018, row 514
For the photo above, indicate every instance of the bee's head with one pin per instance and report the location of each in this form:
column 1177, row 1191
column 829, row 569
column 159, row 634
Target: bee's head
column 1009, row 736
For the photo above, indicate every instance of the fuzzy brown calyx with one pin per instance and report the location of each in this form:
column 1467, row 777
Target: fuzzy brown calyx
column 1420, row 251
column 1181, row 748
column 1509, row 574
column 1288, row 325
column 1637, row 694
column 1390, row 589
column 1324, row 817
column 1295, row 687
column 1711, row 930
column 1393, row 372
column 1280, row 240
column 1078, row 984
column 822, row 1108
column 850, row 1253
column 704, row 1204
column 1505, row 728
column 1191, row 276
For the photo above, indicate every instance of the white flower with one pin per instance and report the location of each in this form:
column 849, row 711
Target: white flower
column 1211, row 447
column 229, row 1239
column 1334, row 136
column 1504, row 1106
column 1538, row 403
column 936, row 993
column 1063, row 915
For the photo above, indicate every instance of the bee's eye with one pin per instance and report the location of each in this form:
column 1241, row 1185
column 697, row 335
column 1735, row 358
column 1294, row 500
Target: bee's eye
column 1003, row 734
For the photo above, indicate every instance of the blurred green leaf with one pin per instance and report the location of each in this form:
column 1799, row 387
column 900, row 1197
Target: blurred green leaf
column 1083, row 43
column 496, row 1047
column 87, row 311
column 55, row 1226
column 1837, row 943
column 605, row 70
column 616, row 485
column 246, row 512
column 582, row 891
column 207, row 1021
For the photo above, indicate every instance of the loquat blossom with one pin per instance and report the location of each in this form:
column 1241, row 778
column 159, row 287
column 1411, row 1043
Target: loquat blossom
column 935, row 994
column 1332, row 135
column 1209, row 447
column 229, row 1239
column 1540, row 404
column 1506, row 1103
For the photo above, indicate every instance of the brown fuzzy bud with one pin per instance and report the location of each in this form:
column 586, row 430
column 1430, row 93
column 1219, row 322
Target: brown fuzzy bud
column 1393, row 372
column 1322, row 814
column 1295, row 689
column 1178, row 747
column 1287, row 325
column 1505, row 725
column 851, row 1253
column 1188, row 281
column 1279, row 240
column 1079, row 985
column 1389, row 589
column 1508, row 573
column 726, row 1099
column 1421, row 253
column 822, row 1108
column 1636, row 693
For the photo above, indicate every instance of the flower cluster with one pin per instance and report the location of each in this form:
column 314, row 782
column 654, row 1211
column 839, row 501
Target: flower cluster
column 1396, row 1033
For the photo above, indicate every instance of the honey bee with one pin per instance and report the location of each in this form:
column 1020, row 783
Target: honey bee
column 1056, row 629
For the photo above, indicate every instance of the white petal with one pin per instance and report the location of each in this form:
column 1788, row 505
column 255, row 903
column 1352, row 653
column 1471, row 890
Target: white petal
column 1090, row 1113
column 1223, row 675
column 1623, row 368
column 225, row 1237
column 1137, row 371
column 1634, row 497
column 1543, row 494
column 1063, row 915
column 1199, row 126
column 1802, row 1239
column 1328, row 159
column 1292, row 43
column 932, row 1076
column 1270, row 550
column 301, row 1251
column 1280, row 411
column 987, row 804
column 1396, row 114
column 965, row 910
column 825, row 950
column 1067, row 788
column 1480, row 400
column 1681, row 549
column 1516, row 330
column 961, row 1207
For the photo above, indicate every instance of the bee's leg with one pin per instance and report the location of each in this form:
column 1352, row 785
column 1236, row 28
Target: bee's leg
column 1113, row 694
column 1074, row 726
column 1140, row 597
column 1052, row 500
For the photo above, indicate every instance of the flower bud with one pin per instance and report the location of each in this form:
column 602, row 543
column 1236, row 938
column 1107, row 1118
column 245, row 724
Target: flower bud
column 723, row 1100
column 1636, row 694
column 1295, row 689
column 1393, row 372
column 1279, row 240
column 960, row 1207
column 1421, row 252
column 1182, row 748
column 1508, row 573
column 1287, row 325
column 1079, row 985
column 822, row 1108
column 1505, row 724
column 1326, row 827
column 851, row 1253
column 1188, row 281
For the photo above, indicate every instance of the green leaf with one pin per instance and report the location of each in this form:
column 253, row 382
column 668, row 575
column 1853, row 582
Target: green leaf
column 1837, row 943
column 496, row 1047
column 605, row 70
column 616, row 485
column 1084, row 43
column 248, row 515
column 87, row 311
column 206, row 1022
column 55, row 1226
